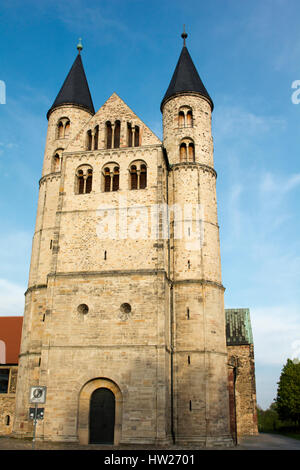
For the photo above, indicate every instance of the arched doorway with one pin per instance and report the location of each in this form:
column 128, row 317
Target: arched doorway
column 102, row 416
column 85, row 400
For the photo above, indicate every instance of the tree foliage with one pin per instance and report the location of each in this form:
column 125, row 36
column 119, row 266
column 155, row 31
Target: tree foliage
column 288, row 392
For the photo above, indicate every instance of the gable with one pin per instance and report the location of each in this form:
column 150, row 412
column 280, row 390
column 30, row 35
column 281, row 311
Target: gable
column 113, row 110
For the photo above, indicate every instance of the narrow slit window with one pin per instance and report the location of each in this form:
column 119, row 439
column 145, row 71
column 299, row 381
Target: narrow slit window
column 89, row 181
column 143, row 177
column 80, row 182
column 106, row 180
column 133, row 177
column 117, row 134
column 137, row 136
column 108, row 135
column 183, row 152
column 115, row 185
column 89, row 140
column 96, row 138
column 189, row 119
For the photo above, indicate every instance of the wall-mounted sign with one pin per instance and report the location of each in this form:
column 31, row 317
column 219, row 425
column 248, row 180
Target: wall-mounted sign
column 37, row 394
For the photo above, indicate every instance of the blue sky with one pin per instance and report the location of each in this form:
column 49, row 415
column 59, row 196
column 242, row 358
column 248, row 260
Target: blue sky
column 248, row 56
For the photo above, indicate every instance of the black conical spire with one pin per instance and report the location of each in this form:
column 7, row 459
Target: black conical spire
column 75, row 89
column 185, row 77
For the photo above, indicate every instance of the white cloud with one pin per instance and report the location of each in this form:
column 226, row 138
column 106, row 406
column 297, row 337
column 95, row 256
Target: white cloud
column 11, row 298
column 276, row 331
column 280, row 185
column 236, row 122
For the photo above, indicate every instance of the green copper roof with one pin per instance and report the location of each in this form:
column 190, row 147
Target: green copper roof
column 238, row 326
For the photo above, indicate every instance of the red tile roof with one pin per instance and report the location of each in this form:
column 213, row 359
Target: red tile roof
column 10, row 339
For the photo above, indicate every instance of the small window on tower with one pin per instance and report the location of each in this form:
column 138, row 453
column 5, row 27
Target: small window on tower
column 67, row 129
column 60, row 130
column 183, row 152
column 187, row 150
column 181, row 119
column 189, row 118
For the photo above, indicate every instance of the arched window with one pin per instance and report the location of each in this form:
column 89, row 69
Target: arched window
column 63, row 128
column 56, row 160
column 143, row 177
column 89, row 140
column 84, row 179
column 138, row 175
column 133, row 135
column 187, row 150
column 67, row 129
column 183, row 152
column 185, row 116
column 106, row 180
column 137, row 136
column 115, row 183
column 96, row 138
column 191, row 151
column 89, row 181
column 60, row 130
column 80, row 182
column 108, row 135
column 117, row 132
column 129, row 135
column 181, row 119
column 189, row 118
column 110, row 175
column 133, row 177
column 56, row 163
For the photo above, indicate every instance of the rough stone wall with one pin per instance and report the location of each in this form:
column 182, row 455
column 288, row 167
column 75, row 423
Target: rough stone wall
column 243, row 397
column 63, row 348
column 7, row 402
column 200, row 355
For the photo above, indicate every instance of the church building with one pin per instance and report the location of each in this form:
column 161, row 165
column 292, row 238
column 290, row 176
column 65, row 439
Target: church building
column 124, row 320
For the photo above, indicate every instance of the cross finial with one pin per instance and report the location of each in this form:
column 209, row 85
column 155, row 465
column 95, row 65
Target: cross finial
column 184, row 35
column 79, row 46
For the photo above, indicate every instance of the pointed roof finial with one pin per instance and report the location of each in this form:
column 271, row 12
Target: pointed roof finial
column 79, row 46
column 184, row 35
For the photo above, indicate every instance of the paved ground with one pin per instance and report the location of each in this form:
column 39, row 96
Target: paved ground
column 260, row 442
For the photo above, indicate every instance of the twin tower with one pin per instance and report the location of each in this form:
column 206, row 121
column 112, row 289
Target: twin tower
column 124, row 318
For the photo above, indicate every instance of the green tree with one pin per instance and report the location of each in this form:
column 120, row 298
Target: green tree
column 288, row 392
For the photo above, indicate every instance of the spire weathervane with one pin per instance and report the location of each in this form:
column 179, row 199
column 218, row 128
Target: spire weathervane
column 79, row 46
column 184, row 35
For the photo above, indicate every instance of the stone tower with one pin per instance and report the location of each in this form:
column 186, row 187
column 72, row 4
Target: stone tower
column 198, row 336
column 124, row 318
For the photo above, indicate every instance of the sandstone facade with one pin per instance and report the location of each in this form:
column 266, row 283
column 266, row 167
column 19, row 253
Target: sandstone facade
column 118, row 299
